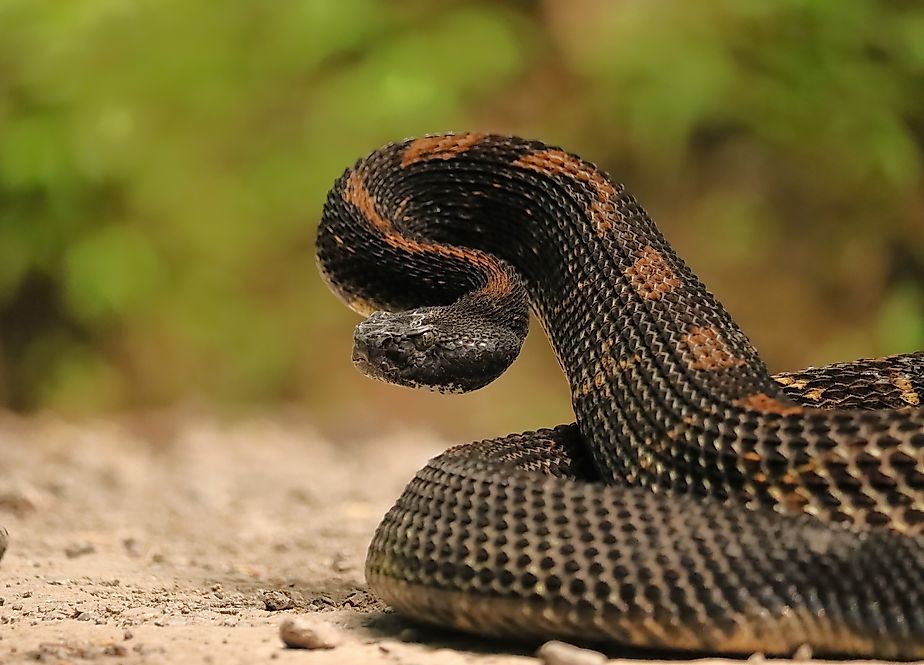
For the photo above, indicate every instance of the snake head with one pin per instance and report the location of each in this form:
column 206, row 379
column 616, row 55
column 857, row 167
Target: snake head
column 433, row 349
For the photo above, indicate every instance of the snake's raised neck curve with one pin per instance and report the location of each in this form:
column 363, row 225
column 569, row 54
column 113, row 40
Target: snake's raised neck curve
column 591, row 260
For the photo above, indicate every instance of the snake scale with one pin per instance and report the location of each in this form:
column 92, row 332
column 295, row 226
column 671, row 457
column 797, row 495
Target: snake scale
column 698, row 503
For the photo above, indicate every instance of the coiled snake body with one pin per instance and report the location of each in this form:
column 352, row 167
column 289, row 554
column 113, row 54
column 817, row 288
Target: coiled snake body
column 698, row 503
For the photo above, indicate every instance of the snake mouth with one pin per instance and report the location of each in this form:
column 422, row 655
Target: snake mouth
column 370, row 366
column 373, row 362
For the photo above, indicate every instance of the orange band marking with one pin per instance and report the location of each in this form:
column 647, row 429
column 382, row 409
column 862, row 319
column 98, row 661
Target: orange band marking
column 766, row 404
column 903, row 383
column 355, row 193
column 707, row 350
column 602, row 210
column 651, row 276
column 439, row 147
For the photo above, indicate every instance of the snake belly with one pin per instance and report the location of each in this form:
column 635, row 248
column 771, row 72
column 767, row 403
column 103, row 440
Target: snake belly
column 698, row 503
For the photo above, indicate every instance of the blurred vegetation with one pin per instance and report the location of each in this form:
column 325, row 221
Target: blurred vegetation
column 163, row 164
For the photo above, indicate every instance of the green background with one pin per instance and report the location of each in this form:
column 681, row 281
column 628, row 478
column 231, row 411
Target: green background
column 163, row 164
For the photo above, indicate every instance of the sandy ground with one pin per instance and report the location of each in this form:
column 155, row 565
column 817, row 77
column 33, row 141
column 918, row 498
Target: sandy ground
column 189, row 540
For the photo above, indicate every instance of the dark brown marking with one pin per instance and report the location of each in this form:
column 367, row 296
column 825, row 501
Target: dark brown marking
column 651, row 276
column 558, row 162
column 707, row 350
column 439, row 147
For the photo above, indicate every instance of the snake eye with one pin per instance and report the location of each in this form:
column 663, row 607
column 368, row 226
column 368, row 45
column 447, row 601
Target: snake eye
column 425, row 339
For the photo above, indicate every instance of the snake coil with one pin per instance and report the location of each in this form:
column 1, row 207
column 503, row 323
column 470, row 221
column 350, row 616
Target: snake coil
column 698, row 503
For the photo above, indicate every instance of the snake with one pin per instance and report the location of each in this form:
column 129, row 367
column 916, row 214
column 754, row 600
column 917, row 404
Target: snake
column 697, row 503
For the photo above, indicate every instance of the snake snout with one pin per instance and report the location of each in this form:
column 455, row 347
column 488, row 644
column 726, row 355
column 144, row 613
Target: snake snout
column 390, row 346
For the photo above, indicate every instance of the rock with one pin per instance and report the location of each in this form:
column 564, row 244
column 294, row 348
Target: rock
column 131, row 546
column 4, row 540
column 18, row 500
column 561, row 653
column 409, row 635
column 803, row 653
column 79, row 549
column 304, row 633
column 274, row 601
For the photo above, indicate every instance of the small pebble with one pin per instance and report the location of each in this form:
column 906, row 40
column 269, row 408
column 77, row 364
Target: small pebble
column 18, row 500
column 131, row 546
column 409, row 635
column 304, row 633
column 561, row 653
column 804, row 652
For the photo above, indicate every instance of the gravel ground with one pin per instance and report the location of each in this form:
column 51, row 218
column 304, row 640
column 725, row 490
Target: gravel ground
column 186, row 539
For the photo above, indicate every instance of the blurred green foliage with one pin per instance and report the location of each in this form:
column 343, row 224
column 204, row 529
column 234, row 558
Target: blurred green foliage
column 163, row 164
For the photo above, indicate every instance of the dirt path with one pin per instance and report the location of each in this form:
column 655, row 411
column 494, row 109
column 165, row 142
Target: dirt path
column 155, row 542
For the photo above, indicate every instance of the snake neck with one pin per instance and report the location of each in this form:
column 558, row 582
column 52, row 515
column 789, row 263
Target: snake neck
column 635, row 331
